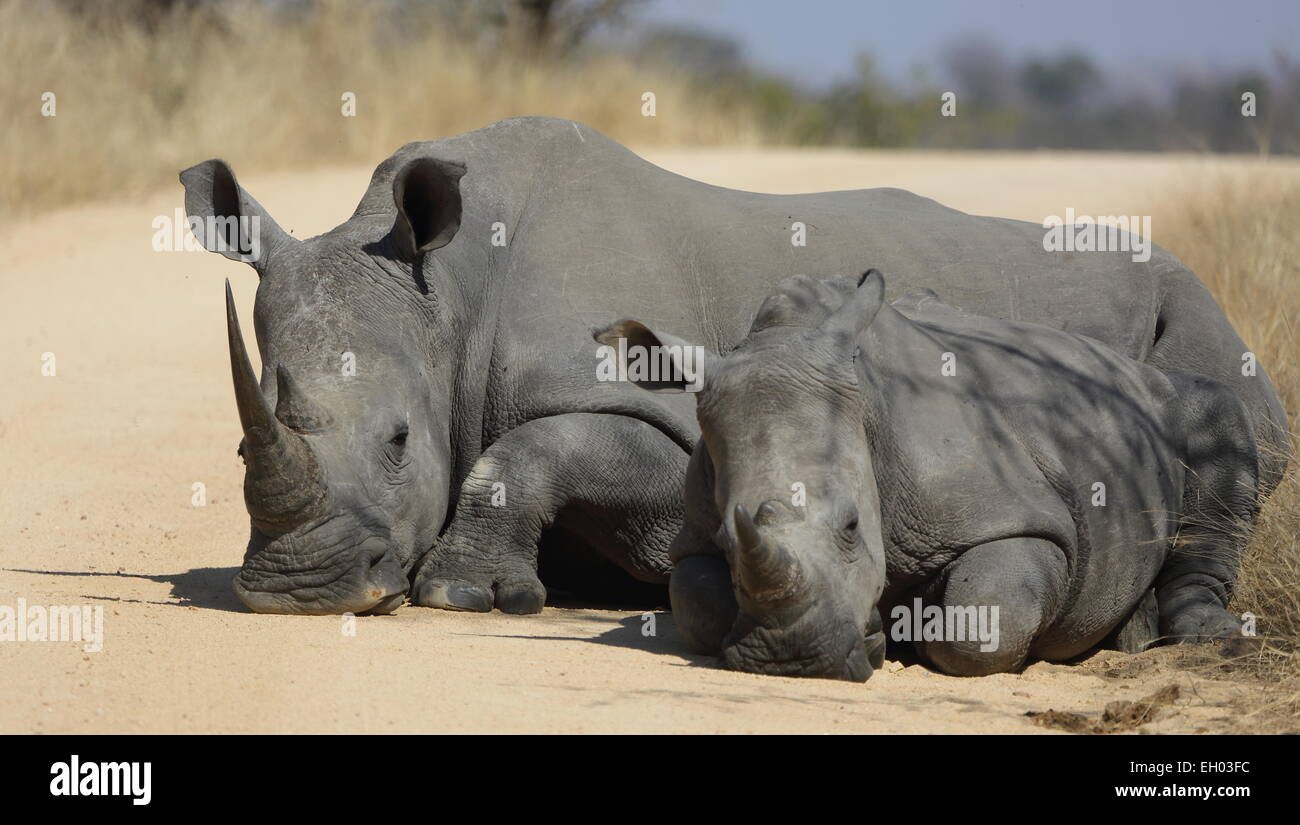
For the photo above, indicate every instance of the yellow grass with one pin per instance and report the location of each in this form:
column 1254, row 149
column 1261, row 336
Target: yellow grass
column 1242, row 236
column 133, row 108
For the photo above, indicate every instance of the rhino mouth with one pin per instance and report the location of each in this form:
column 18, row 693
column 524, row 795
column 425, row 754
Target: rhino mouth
column 809, row 648
column 279, row 578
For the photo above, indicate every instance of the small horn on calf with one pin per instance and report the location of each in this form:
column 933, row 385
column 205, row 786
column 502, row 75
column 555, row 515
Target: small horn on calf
column 283, row 487
column 766, row 570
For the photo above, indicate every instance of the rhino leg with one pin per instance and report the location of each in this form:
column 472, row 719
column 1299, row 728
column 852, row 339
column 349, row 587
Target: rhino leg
column 615, row 479
column 1219, row 501
column 1140, row 630
column 1024, row 578
column 1193, row 335
column 704, row 603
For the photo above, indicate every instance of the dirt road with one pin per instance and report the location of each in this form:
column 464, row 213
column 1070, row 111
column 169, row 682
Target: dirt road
column 99, row 462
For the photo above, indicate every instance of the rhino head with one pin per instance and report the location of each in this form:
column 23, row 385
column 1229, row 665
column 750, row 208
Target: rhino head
column 346, row 436
column 784, row 452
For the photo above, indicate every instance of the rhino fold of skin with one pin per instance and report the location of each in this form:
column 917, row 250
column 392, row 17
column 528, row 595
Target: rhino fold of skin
column 473, row 428
column 1018, row 486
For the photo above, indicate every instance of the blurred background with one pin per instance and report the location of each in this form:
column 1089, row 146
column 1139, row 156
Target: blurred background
column 153, row 84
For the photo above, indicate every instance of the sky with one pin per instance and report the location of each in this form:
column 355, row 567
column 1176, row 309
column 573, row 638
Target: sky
column 816, row 41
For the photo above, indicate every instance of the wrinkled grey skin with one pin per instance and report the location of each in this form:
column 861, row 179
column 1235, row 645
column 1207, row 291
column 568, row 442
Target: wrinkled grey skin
column 476, row 368
column 969, row 489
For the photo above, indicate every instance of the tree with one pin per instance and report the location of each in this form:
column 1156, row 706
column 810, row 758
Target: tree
column 546, row 27
column 1058, row 82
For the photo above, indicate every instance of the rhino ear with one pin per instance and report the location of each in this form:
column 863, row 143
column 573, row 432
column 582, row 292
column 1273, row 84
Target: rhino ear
column 226, row 219
column 427, row 194
column 859, row 309
column 622, row 361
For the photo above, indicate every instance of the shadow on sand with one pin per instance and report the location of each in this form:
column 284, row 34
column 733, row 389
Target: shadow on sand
column 204, row 587
column 656, row 635
column 209, row 588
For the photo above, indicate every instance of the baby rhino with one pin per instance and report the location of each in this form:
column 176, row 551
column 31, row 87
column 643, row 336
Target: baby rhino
column 997, row 491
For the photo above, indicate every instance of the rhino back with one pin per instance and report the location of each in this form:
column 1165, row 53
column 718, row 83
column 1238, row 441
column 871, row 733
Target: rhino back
column 594, row 233
column 607, row 232
column 1017, row 442
column 593, row 228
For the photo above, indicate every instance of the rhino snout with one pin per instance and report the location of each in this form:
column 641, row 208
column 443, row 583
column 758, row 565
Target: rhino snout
column 366, row 579
column 815, row 647
column 387, row 581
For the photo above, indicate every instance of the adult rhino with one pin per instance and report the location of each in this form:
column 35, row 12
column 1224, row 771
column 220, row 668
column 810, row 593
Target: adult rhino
column 466, row 286
column 1001, row 491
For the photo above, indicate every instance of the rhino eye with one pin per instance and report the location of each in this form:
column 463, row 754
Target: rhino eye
column 850, row 541
column 398, row 441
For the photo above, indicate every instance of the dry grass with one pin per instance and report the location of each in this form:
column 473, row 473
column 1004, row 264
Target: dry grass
column 133, row 107
column 1242, row 236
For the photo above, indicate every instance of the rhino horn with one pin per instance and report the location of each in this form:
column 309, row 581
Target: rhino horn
column 765, row 569
column 284, row 487
column 293, row 408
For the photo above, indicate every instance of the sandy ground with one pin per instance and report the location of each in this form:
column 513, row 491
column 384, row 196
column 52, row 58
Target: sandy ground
column 98, row 463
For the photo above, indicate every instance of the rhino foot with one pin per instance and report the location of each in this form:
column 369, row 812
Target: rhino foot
column 452, row 595
column 516, row 597
column 1206, row 623
column 520, row 597
column 1213, row 625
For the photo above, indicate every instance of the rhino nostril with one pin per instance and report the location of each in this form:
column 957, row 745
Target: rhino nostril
column 386, row 555
column 374, row 550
